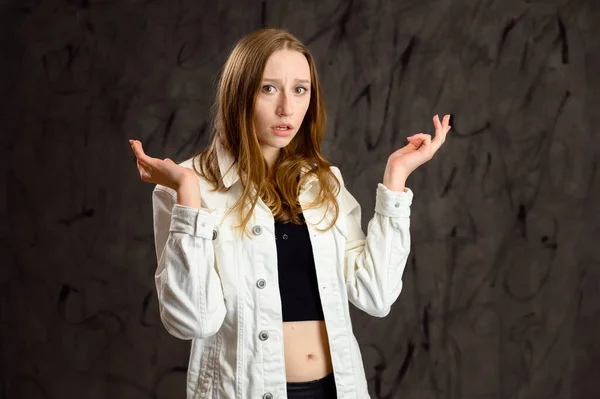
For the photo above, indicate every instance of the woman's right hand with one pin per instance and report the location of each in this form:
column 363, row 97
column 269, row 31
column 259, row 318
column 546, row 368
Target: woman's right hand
column 164, row 172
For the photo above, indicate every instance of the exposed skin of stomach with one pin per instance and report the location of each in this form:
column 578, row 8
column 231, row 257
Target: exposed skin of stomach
column 306, row 350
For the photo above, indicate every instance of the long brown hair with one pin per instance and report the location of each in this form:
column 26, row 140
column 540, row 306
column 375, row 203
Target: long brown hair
column 233, row 125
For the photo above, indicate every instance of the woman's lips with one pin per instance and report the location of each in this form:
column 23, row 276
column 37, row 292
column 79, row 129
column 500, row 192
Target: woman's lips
column 282, row 133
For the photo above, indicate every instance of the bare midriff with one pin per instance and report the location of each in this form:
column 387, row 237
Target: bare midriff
column 306, row 349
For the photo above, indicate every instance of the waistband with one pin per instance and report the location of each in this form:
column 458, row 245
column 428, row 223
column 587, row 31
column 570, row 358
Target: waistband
column 326, row 383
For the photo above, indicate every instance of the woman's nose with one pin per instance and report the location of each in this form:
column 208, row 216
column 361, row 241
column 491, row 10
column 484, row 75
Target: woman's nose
column 285, row 107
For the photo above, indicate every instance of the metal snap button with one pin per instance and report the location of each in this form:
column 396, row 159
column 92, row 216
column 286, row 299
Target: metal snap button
column 285, row 236
column 268, row 395
column 257, row 230
column 261, row 283
column 263, row 336
column 397, row 204
column 215, row 234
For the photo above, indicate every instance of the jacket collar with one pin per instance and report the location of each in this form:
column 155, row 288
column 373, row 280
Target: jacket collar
column 227, row 165
column 229, row 169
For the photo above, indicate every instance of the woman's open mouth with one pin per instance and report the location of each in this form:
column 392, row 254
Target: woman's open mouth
column 284, row 129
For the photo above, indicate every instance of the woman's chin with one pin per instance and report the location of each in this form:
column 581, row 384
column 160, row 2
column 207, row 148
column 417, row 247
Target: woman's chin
column 278, row 141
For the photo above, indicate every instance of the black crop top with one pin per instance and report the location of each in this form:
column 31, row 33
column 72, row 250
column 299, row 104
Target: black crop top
column 298, row 284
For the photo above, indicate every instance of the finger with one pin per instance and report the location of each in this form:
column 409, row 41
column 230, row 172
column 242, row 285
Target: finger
column 150, row 164
column 446, row 121
column 436, row 122
column 414, row 143
column 443, row 125
column 426, row 147
column 142, row 163
column 422, row 140
column 446, row 124
column 138, row 149
column 169, row 160
column 145, row 173
column 440, row 132
column 410, row 147
column 418, row 137
column 141, row 168
column 439, row 126
column 426, row 141
column 414, row 136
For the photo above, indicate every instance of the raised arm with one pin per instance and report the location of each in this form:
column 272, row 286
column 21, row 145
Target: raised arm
column 374, row 263
column 189, row 289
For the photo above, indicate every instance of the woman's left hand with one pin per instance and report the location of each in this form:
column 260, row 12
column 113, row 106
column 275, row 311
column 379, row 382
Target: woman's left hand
column 419, row 150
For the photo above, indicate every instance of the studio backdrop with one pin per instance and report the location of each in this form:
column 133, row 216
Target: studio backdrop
column 501, row 295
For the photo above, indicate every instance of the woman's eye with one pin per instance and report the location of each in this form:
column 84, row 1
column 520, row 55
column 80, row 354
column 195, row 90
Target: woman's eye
column 271, row 89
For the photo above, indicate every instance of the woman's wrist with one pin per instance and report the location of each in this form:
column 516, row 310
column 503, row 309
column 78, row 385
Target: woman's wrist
column 188, row 193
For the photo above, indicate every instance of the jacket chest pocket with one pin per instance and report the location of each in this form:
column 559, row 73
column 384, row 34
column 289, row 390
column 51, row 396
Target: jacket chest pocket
column 226, row 259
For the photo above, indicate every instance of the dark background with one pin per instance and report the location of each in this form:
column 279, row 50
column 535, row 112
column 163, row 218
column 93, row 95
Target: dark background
column 502, row 289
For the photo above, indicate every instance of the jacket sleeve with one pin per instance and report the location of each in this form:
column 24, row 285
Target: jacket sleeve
column 189, row 289
column 374, row 263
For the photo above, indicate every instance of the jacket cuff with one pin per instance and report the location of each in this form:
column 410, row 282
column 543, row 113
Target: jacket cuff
column 393, row 203
column 193, row 221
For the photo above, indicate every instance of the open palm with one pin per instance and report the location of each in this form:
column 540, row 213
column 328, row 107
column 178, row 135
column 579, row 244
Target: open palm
column 164, row 172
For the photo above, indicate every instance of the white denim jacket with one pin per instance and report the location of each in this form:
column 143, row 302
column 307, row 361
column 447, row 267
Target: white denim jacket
column 221, row 290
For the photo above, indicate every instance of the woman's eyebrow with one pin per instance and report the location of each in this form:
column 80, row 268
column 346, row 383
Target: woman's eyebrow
column 295, row 80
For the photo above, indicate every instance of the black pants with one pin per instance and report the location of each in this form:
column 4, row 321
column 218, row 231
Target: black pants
column 317, row 389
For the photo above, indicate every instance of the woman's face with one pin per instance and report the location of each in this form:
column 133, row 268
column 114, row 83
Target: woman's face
column 282, row 101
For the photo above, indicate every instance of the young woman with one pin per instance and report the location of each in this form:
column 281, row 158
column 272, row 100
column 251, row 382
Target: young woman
column 259, row 244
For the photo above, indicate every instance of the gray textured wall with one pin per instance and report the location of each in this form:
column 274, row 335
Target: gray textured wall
column 502, row 291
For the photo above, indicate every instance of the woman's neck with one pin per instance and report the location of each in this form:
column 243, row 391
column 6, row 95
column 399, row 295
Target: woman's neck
column 271, row 154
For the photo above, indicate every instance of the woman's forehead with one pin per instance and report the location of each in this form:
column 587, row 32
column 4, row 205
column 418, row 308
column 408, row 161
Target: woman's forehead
column 288, row 65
